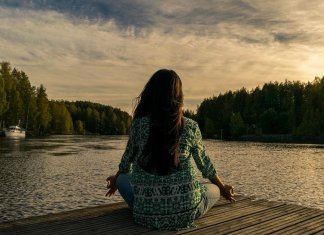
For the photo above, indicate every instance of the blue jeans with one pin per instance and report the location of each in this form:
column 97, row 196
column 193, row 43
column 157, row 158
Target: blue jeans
column 209, row 198
column 125, row 189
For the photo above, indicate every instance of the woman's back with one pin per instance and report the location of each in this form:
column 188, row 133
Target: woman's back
column 156, row 177
column 169, row 201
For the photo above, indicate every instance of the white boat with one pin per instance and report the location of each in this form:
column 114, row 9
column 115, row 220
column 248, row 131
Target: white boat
column 15, row 132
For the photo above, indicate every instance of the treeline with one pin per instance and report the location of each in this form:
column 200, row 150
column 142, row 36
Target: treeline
column 288, row 108
column 29, row 105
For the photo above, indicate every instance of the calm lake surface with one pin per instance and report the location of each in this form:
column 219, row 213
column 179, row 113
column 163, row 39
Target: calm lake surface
column 61, row 173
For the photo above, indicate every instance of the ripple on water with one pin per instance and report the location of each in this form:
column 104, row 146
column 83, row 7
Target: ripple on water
column 55, row 174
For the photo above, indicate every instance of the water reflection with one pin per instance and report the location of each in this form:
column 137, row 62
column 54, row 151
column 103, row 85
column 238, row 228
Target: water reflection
column 39, row 176
column 11, row 145
column 280, row 172
column 59, row 173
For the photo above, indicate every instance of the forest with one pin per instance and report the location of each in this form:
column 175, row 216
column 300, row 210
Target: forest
column 29, row 105
column 287, row 108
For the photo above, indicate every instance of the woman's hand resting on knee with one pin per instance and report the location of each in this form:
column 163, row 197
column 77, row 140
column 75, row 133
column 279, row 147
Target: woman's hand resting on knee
column 111, row 185
column 227, row 191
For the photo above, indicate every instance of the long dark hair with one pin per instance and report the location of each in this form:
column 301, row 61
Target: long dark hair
column 162, row 99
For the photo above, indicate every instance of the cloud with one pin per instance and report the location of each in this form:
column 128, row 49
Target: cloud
column 284, row 37
column 124, row 12
column 105, row 52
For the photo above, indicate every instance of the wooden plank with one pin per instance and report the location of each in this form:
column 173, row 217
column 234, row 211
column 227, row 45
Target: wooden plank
column 254, row 218
column 319, row 232
column 235, row 210
column 246, row 216
column 203, row 228
column 84, row 213
column 69, row 215
column 122, row 221
column 280, row 222
column 117, row 213
column 88, row 226
column 224, row 212
column 227, row 216
column 241, row 206
column 243, row 220
column 289, row 221
column 113, row 214
column 308, row 226
column 225, row 208
column 238, row 198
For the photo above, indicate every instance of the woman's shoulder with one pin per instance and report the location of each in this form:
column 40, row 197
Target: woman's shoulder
column 141, row 119
column 140, row 122
column 189, row 130
column 190, row 123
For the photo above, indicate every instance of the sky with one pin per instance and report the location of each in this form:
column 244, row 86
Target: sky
column 105, row 51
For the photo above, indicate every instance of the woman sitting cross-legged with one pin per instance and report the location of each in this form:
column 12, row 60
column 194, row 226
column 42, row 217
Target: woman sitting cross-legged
column 156, row 176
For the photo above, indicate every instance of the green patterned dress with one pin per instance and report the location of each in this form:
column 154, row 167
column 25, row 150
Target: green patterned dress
column 166, row 202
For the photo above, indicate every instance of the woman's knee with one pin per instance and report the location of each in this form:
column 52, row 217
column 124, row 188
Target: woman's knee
column 212, row 191
column 209, row 199
column 122, row 179
column 125, row 189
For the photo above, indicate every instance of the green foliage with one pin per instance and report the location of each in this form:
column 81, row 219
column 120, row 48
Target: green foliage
column 3, row 100
column 15, row 109
column 237, row 125
column 61, row 119
column 268, row 121
column 79, row 127
column 209, row 128
column 43, row 111
column 19, row 101
column 284, row 123
column 98, row 118
column 313, row 109
column 189, row 114
column 311, row 124
column 276, row 108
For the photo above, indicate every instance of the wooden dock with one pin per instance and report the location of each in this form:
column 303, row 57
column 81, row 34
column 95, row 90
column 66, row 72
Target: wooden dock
column 246, row 216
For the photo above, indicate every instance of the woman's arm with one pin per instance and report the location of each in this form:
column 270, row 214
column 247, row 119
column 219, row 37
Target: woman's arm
column 198, row 151
column 125, row 163
column 205, row 165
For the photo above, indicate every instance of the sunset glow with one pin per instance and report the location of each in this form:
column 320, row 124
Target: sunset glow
column 105, row 51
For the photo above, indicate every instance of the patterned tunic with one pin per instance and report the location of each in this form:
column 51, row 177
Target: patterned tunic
column 166, row 202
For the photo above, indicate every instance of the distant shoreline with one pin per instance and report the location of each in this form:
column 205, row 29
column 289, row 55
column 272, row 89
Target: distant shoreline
column 282, row 139
column 245, row 138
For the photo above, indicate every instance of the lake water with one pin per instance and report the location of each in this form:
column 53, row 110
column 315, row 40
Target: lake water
column 61, row 173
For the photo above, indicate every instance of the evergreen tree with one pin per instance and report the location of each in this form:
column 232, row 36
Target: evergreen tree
column 3, row 100
column 237, row 125
column 209, row 128
column 276, row 108
column 14, row 113
column 79, row 127
column 27, row 94
column 43, row 111
column 61, row 119
column 189, row 114
column 5, row 70
column 31, row 116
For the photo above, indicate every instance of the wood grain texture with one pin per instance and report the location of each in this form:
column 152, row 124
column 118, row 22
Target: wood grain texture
column 246, row 216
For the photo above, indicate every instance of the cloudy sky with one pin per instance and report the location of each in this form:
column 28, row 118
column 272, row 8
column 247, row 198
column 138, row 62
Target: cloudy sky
column 105, row 50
